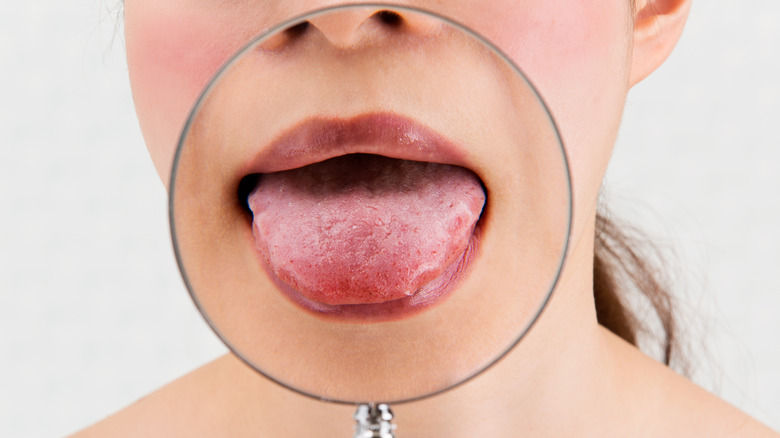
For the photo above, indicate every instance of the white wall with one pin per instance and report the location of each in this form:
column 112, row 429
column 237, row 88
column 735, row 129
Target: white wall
column 698, row 165
column 92, row 311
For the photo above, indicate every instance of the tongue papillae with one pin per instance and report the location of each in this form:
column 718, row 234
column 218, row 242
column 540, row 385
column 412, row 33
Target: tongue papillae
column 364, row 229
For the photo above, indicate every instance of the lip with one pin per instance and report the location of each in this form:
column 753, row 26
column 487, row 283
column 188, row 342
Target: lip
column 321, row 138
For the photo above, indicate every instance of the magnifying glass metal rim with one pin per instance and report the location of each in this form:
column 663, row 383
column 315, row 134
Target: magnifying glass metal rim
column 296, row 20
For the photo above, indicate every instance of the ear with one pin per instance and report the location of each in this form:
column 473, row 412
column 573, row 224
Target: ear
column 658, row 25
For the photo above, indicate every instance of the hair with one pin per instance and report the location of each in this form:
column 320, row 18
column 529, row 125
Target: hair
column 626, row 270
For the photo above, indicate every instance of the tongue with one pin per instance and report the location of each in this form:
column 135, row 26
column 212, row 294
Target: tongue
column 363, row 229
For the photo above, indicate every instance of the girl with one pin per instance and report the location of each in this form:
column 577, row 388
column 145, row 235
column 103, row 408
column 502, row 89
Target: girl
column 585, row 379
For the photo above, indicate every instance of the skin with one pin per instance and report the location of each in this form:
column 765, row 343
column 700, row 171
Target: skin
column 583, row 57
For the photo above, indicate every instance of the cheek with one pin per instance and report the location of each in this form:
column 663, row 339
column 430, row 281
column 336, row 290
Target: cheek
column 171, row 55
column 577, row 54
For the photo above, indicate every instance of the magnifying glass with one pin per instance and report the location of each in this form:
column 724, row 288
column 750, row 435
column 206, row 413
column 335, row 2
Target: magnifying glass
column 370, row 204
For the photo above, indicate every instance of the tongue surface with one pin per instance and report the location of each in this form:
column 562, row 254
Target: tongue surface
column 362, row 229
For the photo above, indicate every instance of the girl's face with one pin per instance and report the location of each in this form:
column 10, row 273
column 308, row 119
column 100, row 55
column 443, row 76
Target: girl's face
column 578, row 57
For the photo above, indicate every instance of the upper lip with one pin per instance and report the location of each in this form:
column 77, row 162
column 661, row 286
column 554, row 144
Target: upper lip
column 320, row 138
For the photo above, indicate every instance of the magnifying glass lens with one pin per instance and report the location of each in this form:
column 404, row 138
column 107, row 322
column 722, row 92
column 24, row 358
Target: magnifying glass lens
column 370, row 204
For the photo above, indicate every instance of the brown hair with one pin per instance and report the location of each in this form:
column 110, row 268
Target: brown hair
column 626, row 274
column 626, row 271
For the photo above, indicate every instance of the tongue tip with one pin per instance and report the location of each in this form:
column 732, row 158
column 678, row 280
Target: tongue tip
column 430, row 294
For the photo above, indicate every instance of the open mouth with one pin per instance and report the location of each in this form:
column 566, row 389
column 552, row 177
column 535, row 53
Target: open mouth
column 356, row 225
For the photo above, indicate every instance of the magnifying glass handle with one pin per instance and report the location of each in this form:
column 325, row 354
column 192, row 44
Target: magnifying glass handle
column 374, row 421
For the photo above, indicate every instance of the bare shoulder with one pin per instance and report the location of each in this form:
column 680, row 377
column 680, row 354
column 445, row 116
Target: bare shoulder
column 671, row 405
column 693, row 409
column 188, row 406
column 224, row 398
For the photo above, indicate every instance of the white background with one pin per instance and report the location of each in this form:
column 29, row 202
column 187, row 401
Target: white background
column 92, row 311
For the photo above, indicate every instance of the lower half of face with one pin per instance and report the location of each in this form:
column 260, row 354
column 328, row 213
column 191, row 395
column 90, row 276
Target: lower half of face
column 390, row 145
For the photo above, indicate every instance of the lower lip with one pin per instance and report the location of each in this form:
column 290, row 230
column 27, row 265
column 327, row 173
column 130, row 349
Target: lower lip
column 433, row 293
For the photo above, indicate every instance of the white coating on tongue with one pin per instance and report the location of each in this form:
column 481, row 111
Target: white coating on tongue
column 363, row 229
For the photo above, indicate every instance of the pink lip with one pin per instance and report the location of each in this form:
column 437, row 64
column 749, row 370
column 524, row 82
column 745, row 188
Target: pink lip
column 386, row 134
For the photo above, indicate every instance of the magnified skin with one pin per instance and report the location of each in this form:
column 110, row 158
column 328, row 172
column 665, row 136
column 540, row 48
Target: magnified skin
column 305, row 204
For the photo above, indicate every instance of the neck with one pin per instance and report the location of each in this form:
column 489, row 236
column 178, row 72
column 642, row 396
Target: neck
column 551, row 384
column 548, row 385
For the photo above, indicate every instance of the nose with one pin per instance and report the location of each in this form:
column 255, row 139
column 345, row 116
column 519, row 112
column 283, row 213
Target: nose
column 350, row 27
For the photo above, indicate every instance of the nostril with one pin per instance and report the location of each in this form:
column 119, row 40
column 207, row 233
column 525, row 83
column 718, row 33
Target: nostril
column 297, row 30
column 391, row 18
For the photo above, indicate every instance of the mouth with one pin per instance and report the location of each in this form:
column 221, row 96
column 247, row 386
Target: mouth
column 370, row 218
